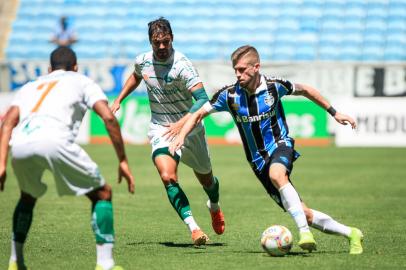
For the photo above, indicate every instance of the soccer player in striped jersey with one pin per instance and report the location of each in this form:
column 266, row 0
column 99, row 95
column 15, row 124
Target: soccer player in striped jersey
column 171, row 82
column 45, row 117
column 254, row 102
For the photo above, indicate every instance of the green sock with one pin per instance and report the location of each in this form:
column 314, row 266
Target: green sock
column 178, row 200
column 213, row 191
column 102, row 222
column 22, row 219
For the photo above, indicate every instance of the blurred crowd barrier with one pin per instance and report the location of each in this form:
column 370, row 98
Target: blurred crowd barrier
column 374, row 93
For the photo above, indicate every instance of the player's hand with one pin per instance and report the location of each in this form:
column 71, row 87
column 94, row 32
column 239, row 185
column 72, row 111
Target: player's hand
column 124, row 171
column 175, row 145
column 115, row 107
column 173, row 130
column 345, row 119
column 3, row 176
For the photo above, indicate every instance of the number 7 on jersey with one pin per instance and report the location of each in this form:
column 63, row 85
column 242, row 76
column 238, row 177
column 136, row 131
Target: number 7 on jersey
column 49, row 86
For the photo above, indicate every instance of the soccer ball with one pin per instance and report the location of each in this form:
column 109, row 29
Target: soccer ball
column 277, row 240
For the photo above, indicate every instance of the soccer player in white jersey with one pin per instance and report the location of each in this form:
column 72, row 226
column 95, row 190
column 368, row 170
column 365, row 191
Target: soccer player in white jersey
column 254, row 102
column 171, row 82
column 42, row 122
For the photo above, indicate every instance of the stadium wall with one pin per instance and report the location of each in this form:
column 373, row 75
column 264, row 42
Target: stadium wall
column 356, row 88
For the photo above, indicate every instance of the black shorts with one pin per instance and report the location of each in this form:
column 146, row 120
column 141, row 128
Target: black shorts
column 284, row 155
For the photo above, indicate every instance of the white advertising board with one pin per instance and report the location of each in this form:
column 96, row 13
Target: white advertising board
column 381, row 122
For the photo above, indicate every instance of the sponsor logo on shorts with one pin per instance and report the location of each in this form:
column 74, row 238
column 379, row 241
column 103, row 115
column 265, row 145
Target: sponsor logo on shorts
column 284, row 160
column 155, row 141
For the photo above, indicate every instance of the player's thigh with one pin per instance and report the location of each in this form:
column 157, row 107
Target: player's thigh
column 195, row 153
column 273, row 192
column 285, row 156
column 28, row 169
column 159, row 144
column 75, row 173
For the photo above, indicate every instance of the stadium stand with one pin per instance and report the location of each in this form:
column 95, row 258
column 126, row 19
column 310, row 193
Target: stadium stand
column 285, row 30
column 8, row 11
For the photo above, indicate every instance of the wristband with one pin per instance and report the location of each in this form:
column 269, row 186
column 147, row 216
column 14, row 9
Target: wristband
column 332, row 111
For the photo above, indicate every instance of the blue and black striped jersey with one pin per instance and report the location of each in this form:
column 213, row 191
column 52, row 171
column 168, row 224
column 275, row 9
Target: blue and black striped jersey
column 259, row 117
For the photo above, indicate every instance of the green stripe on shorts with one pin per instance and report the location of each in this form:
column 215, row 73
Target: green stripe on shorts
column 164, row 151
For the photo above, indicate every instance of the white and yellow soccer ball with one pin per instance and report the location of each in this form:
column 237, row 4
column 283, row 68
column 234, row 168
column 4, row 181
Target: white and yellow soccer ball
column 277, row 240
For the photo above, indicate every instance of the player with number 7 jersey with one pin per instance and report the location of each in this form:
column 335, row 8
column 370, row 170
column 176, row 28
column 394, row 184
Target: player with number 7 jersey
column 45, row 117
column 54, row 104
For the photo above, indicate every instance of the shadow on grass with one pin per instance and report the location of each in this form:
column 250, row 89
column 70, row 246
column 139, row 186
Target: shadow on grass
column 188, row 245
column 304, row 254
column 298, row 253
column 332, row 252
column 140, row 243
column 290, row 254
column 176, row 245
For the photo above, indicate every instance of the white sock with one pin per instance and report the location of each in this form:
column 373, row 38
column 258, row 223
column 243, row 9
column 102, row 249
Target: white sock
column 291, row 202
column 327, row 224
column 105, row 255
column 17, row 252
column 214, row 207
column 191, row 223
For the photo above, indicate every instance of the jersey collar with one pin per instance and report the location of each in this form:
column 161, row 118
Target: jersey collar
column 58, row 71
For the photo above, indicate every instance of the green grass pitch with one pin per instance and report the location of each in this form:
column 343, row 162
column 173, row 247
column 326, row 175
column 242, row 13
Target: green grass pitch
column 363, row 187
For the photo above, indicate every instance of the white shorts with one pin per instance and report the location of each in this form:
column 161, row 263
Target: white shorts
column 194, row 153
column 73, row 170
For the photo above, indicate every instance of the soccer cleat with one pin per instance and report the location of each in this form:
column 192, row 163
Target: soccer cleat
column 199, row 237
column 355, row 238
column 307, row 242
column 217, row 220
column 14, row 266
column 98, row 267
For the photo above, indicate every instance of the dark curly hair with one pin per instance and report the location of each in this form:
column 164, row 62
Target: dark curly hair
column 63, row 58
column 161, row 25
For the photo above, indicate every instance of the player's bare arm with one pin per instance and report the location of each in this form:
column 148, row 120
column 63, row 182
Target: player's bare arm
column 10, row 121
column 132, row 83
column 315, row 96
column 190, row 124
column 113, row 128
column 201, row 97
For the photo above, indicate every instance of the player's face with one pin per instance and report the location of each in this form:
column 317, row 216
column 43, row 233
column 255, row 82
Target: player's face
column 246, row 71
column 162, row 46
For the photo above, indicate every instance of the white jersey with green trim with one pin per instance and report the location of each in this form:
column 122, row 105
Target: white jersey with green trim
column 53, row 106
column 168, row 84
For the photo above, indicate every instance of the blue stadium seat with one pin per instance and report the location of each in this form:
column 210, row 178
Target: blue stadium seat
column 282, row 29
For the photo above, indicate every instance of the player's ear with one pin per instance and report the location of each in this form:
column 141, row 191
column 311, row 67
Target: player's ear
column 257, row 66
column 49, row 69
column 75, row 68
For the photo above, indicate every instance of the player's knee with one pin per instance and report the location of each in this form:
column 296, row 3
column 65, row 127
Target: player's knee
column 27, row 198
column 105, row 193
column 278, row 179
column 168, row 178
